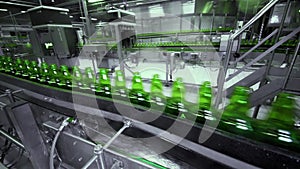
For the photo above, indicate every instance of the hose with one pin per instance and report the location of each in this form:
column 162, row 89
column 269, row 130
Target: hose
column 63, row 125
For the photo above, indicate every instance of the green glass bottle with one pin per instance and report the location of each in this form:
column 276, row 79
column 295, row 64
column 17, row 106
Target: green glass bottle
column 8, row 65
column 77, row 77
column 44, row 73
column 89, row 80
column 204, row 103
column 205, row 96
column 35, row 71
column 137, row 94
column 176, row 104
column 54, row 75
column 234, row 118
column 1, row 63
column 104, row 85
column 156, row 95
column 27, row 69
column 18, row 67
column 65, row 78
column 119, row 90
column 279, row 128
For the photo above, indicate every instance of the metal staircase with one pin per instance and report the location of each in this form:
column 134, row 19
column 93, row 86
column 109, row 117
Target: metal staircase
column 272, row 80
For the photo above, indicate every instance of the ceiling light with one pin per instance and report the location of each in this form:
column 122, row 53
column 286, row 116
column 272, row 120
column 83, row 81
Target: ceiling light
column 71, row 16
column 3, row 10
column 23, row 11
column 94, row 19
column 82, row 17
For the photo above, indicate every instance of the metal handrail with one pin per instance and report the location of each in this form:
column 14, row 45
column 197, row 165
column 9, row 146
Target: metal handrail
column 222, row 76
column 256, row 46
column 286, row 38
column 254, row 19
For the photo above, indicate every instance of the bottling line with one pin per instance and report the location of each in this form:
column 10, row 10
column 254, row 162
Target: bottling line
column 149, row 84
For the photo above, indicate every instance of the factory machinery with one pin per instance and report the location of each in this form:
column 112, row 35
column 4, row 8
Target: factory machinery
column 49, row 116
column 54, row 114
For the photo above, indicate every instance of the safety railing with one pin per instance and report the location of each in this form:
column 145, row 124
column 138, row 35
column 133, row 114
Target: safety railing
column 223, row 70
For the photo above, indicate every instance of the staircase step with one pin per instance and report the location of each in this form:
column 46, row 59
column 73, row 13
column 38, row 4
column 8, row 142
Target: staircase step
column 266, row 92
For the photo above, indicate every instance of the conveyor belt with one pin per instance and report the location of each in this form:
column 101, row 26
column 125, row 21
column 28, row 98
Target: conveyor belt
column 233, row 150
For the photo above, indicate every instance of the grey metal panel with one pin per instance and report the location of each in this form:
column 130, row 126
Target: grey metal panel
column 266, row 92
column 274, row 71
column 28, row 132
column 35, row 41
column 59, row 40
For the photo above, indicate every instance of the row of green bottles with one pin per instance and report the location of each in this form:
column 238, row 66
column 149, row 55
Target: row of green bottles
column 61, row 77
column 172, row 44
column 278, row 129
column 289, row 43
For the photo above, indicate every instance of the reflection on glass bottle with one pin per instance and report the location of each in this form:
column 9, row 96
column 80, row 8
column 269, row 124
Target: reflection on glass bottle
column 89, row 79
column 27, row 69
column 120, row 90
column 8, row 65
column 204, row 111
column 54, row 75
column 65, row 79
column 77, row 77
column 137, row 94
column 35, row 72
column 234, row 118
column 156, row 95
column 104, row 86
column 279, row 128
column 44, row 73
column 19, row 67
column 176, row 104
column 1, row 63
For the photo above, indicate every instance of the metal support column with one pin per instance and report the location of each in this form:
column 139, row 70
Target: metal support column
column 119, row 48
column 87, row 18
column 222, row 76
column 98, row 151
column 287, row 77
column 269, row 62
column 9, row 95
